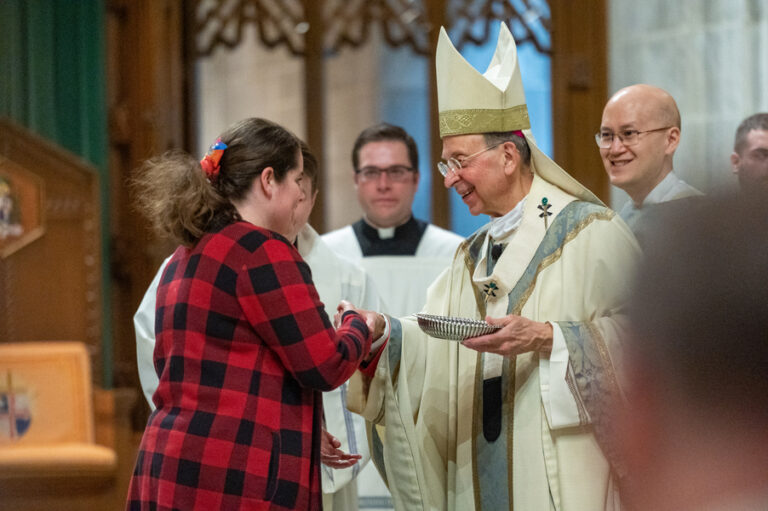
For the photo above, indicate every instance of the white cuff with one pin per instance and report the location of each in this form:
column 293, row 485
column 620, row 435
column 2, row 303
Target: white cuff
column 378, row 343
column 559, row 403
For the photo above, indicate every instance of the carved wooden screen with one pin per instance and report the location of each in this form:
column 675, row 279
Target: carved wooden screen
column 314, row 28
column 349, row 22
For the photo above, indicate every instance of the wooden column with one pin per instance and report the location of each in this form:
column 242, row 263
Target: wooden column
column 146, row 118
column 314, row 100
column 441, row 213
column 190, row 90
column 579, row 88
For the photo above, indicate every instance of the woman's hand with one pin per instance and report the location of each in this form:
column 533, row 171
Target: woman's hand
column 343, row 307
column 331, row 455
column 374, row 320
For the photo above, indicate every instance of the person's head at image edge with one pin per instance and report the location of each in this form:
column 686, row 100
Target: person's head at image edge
column 749, row 160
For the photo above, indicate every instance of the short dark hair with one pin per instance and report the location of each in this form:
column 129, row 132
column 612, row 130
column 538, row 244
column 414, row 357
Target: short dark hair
column 384, row 132
column 758, row 121
column 499, row 137
column 699, row 309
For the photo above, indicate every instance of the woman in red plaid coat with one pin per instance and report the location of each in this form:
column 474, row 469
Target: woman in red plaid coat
column 244, row 347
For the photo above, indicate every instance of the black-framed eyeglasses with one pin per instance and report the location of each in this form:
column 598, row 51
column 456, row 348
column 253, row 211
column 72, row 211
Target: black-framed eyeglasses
column 627, row 137
column 396, row 173
column 454, row 165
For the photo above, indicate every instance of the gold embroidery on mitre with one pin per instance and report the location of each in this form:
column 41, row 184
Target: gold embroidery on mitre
column 483, row 120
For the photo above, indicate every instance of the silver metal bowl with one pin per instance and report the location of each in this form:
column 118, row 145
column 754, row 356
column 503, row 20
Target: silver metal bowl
column 453, row 328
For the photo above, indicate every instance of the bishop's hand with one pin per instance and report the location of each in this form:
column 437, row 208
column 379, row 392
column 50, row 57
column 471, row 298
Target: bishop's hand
column 517, row 335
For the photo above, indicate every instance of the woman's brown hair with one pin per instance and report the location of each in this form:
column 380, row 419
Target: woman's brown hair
column 176, row 196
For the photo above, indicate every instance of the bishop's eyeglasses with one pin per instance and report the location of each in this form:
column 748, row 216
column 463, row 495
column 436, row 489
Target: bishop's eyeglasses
column 628, row 137
column 454, row 165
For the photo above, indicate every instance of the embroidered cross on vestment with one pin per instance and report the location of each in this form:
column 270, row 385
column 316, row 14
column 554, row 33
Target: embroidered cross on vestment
column 545, row 212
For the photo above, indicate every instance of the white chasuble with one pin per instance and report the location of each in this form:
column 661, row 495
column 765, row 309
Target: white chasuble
column 427, row 394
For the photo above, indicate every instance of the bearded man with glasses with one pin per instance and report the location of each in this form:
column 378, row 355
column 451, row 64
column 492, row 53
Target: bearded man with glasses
column 638, row 136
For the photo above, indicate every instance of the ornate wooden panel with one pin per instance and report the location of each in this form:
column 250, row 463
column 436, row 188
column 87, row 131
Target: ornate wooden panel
column 50, row 286
column 22, row 207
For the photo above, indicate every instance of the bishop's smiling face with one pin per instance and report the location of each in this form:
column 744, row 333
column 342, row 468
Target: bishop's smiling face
column 481, row 182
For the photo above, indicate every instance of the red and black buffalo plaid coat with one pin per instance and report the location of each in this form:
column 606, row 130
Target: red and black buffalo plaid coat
column 243, row 350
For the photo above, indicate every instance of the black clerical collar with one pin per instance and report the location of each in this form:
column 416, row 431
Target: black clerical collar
column 405, row 240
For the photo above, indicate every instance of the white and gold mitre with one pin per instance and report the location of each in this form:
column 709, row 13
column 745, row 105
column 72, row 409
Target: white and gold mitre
column 474, row 103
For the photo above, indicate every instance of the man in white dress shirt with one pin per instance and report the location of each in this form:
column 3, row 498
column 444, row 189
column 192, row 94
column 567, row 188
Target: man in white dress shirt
column 335, row 279
column 638, row 137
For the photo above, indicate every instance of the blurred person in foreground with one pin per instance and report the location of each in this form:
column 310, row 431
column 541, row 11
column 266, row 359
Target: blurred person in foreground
column 693, row 431
column 244, row 346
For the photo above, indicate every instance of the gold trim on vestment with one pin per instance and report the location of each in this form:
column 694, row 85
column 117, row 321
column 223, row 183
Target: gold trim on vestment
column 554, row 256
column 483, row 120
column 511, row 429
column 547, row 261
column 469, row 265
column 605, row 357
column 510, row 367
column 475, row 432
column 581, row 408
